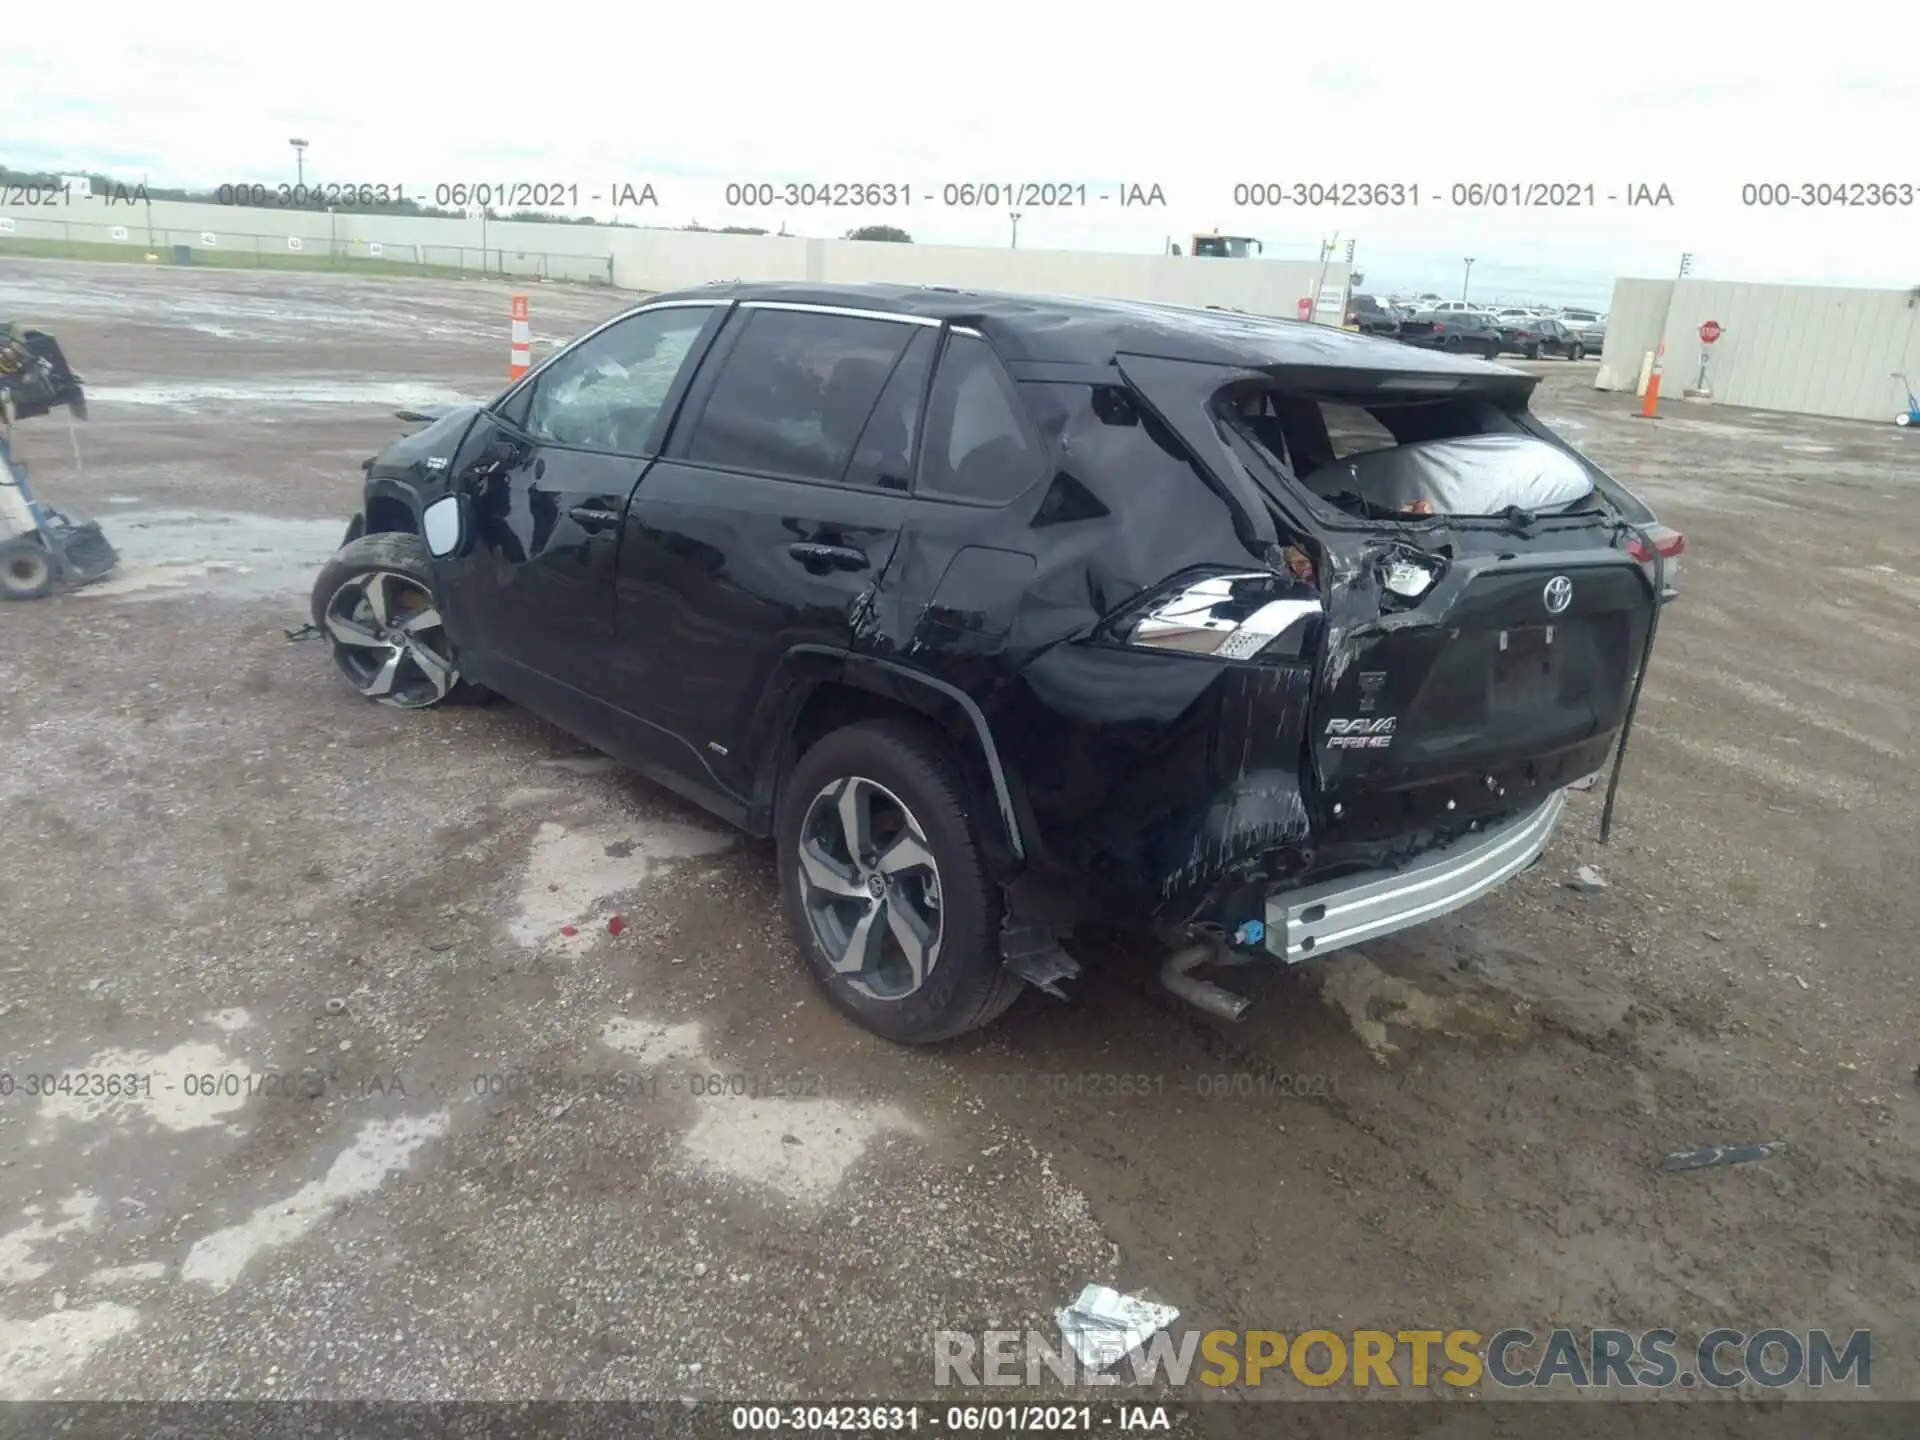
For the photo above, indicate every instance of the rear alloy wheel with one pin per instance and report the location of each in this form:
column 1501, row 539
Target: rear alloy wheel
column 885, row 888
column 1533, row 352
column 375, row 602
column 1576, row 351
column 26, row 570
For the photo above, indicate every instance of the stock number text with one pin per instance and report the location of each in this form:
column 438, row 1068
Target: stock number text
column 1845, row 194
column 1344, row 194
column 316, row 197
column 833, row 194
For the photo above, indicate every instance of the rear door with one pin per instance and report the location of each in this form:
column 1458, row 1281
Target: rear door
column 772, row 514
column 548, row 473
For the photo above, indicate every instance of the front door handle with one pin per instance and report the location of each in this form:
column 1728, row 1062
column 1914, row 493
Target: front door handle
column 820, row 558
column 591, row 517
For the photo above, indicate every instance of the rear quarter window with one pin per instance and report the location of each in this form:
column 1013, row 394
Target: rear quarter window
column 980, row 444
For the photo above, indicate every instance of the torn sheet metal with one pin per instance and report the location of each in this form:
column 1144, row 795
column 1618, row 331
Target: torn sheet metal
column 1103, row 1325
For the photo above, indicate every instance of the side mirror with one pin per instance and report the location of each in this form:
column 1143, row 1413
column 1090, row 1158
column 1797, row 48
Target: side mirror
column 444, row 526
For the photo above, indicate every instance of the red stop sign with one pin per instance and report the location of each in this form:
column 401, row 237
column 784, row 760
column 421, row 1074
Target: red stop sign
column 1710, row 332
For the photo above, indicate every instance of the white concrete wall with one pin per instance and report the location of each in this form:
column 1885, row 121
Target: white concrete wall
column 238, row 225
column 651, row 260
column 1633, row 328
column 669, row 259
column 1801, row 349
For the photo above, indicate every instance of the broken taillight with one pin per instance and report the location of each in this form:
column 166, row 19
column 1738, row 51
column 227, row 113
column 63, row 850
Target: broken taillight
column 1671, row 544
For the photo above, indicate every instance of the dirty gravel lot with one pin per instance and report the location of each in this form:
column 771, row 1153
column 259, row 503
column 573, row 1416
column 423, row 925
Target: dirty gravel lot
column 227, row 873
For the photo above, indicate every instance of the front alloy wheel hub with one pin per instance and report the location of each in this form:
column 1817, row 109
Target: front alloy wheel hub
column 871, row 888
column 388, row 639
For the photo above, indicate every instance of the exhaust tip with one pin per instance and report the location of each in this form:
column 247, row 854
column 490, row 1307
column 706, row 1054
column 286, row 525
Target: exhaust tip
column 1216, row 1000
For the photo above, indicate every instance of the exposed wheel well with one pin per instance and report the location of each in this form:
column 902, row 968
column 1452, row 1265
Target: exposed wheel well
column 833, row 705
column 386, row 515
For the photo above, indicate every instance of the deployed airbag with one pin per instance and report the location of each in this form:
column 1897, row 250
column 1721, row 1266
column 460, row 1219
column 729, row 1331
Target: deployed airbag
column 1470, row 475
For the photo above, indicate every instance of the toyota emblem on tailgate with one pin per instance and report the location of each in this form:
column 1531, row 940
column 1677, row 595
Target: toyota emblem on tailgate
column 1558, row 594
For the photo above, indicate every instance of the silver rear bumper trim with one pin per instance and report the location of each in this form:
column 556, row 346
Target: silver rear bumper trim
column 1305, row 924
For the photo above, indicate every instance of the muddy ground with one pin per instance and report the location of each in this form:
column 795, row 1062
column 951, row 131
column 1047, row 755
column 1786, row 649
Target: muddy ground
column 224, row 870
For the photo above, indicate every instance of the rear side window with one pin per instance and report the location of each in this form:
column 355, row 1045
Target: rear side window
column 979, row 444
column 884, row 457
column 795, row 392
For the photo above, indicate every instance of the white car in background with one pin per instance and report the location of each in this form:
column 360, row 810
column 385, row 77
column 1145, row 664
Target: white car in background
column 1589, row 325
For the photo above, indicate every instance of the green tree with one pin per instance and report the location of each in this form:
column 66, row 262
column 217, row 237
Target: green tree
column 881, row 232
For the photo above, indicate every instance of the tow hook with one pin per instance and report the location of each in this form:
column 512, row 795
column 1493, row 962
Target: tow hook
column 1212, row 998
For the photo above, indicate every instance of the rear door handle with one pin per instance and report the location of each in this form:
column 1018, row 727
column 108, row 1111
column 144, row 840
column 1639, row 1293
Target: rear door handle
column 818, row 557
column 592, row 517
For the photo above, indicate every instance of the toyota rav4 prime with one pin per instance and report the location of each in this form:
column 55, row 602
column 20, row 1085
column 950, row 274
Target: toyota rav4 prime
column 1007, row 615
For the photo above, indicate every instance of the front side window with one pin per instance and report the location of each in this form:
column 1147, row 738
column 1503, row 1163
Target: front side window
column 606, row 393
column 795, row 393
column 979, row 447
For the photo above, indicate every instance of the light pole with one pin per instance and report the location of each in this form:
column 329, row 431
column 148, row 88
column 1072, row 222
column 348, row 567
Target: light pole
column 1464, row 279
column 299, row 161
column 1014, row 215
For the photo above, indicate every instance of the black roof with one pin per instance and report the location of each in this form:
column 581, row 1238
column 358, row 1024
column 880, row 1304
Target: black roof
column 1075, row 330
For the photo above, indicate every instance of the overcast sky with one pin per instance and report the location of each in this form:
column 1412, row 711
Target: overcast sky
column 1698, row 98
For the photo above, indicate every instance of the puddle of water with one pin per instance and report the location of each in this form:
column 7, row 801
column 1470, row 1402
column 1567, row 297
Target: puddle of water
column 572, row 873
column 169, row 551
column 381, row 1148
column 800, row 1147
column 35, row 1353
column 166, row 1102
column 199, row 395
column 80, row 1211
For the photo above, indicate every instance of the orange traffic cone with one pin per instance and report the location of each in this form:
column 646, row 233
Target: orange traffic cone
column 522, row 340
column 1650, row 405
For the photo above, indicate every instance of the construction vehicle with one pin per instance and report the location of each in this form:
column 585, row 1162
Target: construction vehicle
column 41, row 548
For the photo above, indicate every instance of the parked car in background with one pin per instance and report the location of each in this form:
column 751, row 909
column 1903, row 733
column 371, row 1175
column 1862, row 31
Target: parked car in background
column 1590, row 326
column 1004, row 615
column 1371, row 315
column 1465, row 331
column 1534, row 338
column 1456, row 307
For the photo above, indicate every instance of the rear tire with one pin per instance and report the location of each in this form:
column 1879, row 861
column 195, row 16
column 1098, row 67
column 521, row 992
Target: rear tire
column 1576, row 351
column 26, row 570
column 913, row 882
column 375, row 602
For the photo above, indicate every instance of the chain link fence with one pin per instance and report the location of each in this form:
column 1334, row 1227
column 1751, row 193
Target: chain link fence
column 86, row 240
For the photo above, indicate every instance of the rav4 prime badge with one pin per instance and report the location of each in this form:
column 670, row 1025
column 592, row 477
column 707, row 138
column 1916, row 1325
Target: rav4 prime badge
column 1360, row 734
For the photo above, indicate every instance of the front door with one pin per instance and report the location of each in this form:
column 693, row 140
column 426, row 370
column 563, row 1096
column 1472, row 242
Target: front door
column 548, row 474
column 774, row 510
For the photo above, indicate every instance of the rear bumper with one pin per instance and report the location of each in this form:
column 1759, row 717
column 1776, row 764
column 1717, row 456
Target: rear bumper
column 1305, row 924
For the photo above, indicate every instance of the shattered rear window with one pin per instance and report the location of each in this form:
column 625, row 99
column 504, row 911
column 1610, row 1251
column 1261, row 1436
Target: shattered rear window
column 1406, row 457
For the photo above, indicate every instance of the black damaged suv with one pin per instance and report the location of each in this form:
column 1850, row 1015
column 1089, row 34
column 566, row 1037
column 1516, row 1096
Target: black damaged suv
column 1007, row 615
